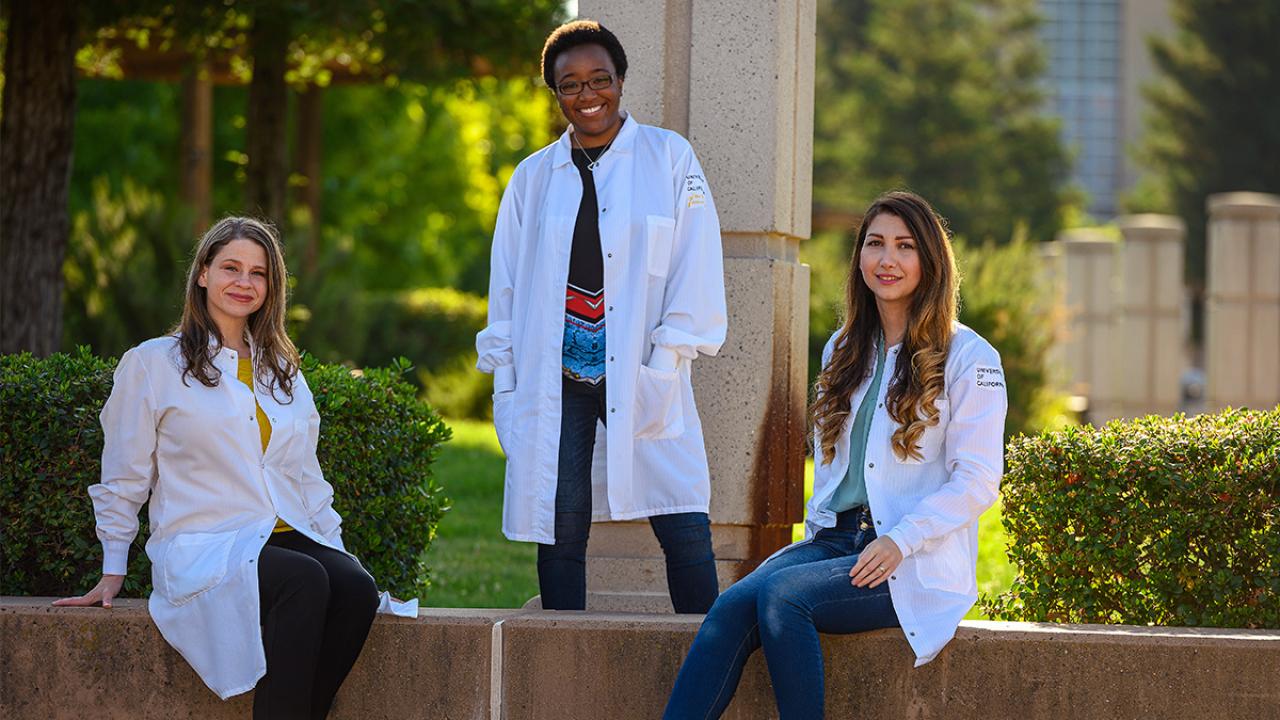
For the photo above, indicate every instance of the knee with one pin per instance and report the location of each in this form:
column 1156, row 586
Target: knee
column 355, row 589
column 777, row 602
column 684, row 536
column 305, row 577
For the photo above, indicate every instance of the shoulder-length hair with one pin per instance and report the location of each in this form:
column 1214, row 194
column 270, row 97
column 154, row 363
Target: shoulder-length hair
column 918, row 377
column 276, row 361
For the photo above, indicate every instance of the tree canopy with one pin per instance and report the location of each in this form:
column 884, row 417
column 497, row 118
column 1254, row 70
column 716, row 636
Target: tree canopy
column 939, row 96
column 1215, row 124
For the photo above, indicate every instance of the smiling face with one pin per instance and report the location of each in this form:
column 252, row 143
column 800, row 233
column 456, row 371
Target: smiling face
column 236, row 283
column 890, row 261
column 594, row 113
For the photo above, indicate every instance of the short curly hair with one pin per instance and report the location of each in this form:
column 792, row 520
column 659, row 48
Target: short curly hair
column 574, row 34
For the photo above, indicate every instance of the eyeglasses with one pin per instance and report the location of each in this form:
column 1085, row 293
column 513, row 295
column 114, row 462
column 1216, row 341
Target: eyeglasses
column 573, row 87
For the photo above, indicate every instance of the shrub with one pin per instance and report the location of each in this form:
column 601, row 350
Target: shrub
column 1155, row 521
column 377, row 444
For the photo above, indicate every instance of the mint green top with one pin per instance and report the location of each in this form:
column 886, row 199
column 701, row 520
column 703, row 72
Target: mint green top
column 853, row 488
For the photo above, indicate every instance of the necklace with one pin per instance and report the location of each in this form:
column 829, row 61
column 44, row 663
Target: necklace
column 593, row 162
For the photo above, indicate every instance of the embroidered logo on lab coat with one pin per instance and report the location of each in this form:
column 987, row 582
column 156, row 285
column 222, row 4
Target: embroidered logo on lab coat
column 695, row 191
column 988, row 378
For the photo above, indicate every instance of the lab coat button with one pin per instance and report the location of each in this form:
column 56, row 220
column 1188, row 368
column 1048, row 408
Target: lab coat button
column 893, row 577
column 879, row 523
column 871, row 465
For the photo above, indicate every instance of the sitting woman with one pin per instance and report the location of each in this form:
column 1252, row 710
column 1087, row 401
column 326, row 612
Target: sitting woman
column 909, row 424
column 215, row 424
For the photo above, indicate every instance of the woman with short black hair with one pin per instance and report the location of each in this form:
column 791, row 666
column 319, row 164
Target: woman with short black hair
column 612, row 226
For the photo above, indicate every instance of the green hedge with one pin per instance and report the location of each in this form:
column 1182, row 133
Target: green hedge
column 1156, row 521
column 377, row 444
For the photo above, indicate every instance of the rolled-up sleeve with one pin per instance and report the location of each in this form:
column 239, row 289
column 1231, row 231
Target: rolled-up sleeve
column 974, row 445
column 493, row 344
column 694, row 315
column 129, row 421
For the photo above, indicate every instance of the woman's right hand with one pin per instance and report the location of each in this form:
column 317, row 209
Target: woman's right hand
column 104, row 592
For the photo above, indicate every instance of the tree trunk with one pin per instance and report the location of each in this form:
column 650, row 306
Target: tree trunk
column 197, row 145
column 36, row 132
column 306, row 165
column 266, row 126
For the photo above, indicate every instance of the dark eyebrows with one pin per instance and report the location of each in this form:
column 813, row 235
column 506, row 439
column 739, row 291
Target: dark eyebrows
column 590, row 72
column 899, row 237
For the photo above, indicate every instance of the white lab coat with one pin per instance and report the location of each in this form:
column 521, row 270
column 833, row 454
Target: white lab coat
column 929, row 507
column 664, row 296
column 196, row 452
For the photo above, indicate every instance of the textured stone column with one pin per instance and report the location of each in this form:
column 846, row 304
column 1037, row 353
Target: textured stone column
column 1242, row 315
column 1150, row 317
column 1090, row 258
column 737, row 80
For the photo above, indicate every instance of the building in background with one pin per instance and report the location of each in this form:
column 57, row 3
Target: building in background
column 1098, row 61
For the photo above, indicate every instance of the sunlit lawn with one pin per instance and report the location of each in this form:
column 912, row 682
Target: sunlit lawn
column 473, row 565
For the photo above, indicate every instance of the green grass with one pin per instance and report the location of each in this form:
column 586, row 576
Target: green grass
column 473, row 565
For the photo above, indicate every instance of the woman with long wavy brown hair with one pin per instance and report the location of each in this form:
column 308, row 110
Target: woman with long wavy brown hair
column 215, row 429
column 908, row 452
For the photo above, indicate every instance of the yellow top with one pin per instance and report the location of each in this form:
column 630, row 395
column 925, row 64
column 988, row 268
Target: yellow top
column 244, row 372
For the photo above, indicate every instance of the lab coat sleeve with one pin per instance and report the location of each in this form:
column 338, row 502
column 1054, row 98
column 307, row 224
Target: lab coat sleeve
column 974, row 445
column 493, row 344
column 694, row 316
column 129, row 421
column 326, row 517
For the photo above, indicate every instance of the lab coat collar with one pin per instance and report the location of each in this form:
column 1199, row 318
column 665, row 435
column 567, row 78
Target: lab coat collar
column 563, row 153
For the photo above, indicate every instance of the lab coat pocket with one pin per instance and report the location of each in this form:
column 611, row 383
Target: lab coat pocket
column 659, row 410
column 195, row 563
column 660, row 233
column 945, row 565
column 503, row 410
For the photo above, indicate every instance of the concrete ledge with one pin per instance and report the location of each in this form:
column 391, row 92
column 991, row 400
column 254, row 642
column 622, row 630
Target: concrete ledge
column 58, row 662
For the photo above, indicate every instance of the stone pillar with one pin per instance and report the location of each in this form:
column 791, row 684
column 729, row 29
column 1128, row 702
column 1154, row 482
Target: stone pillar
column 1090, row 258
column 1150, row 320
column 737, row 80
column 1242, row 316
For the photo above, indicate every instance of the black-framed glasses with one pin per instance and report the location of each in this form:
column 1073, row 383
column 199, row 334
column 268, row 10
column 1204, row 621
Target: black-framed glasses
column 573, row 87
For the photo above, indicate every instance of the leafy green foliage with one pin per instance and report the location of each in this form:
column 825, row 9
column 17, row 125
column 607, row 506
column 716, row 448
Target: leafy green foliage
column 939, row 96
column 377, row 446
column 1162, row 521
column 1215, row 125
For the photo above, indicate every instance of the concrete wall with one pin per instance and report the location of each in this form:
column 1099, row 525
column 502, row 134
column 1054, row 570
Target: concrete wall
column 736, row 79
column 512, row 665
column 1151, row 322
column 1088, row 263
column 1242, row 324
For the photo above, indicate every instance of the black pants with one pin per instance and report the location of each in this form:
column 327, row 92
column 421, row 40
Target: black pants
column 317, row 606
column 562, row 567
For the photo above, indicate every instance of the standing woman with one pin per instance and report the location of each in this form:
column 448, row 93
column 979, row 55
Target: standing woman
column 908, row 453
column 606, row 282
column 216, row 426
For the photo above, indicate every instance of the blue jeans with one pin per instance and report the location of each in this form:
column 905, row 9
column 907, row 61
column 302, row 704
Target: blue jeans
column 562, row 567
column 782, row 606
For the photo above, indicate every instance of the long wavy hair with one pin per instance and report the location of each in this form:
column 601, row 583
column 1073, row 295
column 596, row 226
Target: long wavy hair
column 276, row 360
column 917, row 384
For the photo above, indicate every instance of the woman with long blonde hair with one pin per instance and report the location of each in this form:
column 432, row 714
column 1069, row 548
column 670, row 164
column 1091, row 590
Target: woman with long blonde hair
column 214, row 427
column 908, row 453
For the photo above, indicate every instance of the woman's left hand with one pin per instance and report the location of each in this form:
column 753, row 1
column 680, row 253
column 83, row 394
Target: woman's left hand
column 878, row 560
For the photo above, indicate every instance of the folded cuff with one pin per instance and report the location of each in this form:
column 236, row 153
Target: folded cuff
column 663, row 358
column 115, row 557
column 897, row 536
column 504, row 378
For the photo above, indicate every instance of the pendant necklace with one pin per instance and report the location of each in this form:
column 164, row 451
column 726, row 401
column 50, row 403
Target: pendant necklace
column 593, row 162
